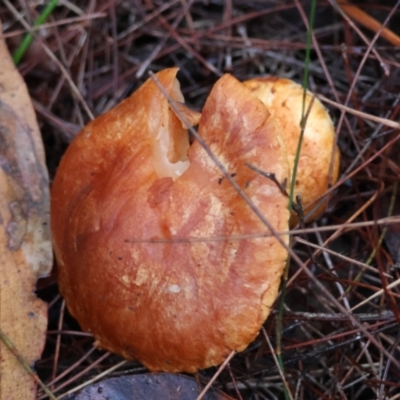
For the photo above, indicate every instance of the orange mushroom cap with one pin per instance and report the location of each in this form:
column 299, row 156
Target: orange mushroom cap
column 130, row 177
column 284, row 100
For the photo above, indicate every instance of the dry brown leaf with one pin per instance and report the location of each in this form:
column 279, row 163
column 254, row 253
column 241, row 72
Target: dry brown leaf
column 371, row 23
column 25, row 249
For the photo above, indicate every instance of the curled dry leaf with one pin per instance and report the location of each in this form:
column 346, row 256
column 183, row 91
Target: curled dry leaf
column 129, row 177
column 25, row 248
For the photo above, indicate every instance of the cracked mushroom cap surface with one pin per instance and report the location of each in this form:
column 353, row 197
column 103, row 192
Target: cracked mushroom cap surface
column 284, row 100
column 129, row 186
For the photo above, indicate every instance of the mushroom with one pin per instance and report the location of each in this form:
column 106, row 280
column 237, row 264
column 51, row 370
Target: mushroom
column 129, row 199
column 284, row 100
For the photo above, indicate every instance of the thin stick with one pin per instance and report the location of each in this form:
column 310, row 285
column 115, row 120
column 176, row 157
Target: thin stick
column 380, row 240
column 27, row 40
column 339, row 255
column 41, row 396
column 383, row 121
column 58, row 341
column 302, row 123
column 369, row 22
column 8, row 343
column 376, row 294
column 212, row 380
column 82, row 372
column 96, row 378
column 281, row 372
column 66, row 21
column 65, row 73
column 234, row 382
column 345, row 227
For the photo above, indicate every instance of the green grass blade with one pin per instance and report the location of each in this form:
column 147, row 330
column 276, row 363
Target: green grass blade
column 28, row 38
column 303, row 110
column 302, row 122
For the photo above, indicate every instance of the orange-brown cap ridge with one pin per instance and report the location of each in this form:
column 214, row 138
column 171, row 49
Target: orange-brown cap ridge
column 284, row 100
